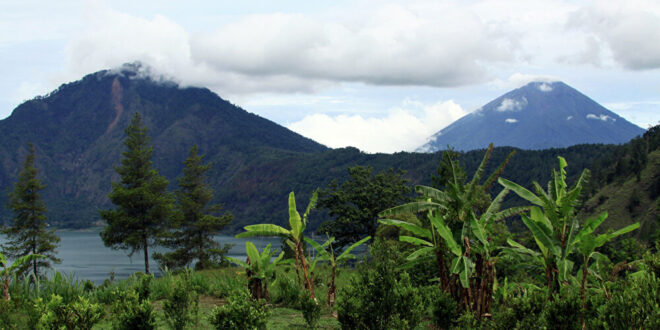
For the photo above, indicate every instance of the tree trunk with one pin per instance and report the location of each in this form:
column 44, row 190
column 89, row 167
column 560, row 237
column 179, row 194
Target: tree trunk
column 442, row 270
column 303, row 263
column 583, row 293
column 146, row 257
column 6, row 288
column 332, row 289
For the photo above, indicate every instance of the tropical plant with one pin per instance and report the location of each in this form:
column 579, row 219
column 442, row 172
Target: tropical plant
column 325, row 252
column 556, row 229
column 294, row 237
column 460, row 220
column 259, row 269
column 7, row 270
column 240, row 313
column 80, row 314
column 28, row 233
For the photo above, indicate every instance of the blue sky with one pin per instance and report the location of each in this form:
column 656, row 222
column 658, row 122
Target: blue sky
column 380, row 75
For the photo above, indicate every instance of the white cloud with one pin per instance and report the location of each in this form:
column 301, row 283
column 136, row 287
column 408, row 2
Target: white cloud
column 402, row 129
column 629, row 30
column 511, row 120
column 512, row 105
column 571, row 117
column 545, row 88
column 600, row 117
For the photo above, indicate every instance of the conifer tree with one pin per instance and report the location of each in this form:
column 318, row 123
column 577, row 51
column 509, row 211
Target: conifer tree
column 196, row 222
column 143, row 203
column 29, row 233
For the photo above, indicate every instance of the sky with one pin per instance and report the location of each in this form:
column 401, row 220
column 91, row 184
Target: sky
column 382, row 76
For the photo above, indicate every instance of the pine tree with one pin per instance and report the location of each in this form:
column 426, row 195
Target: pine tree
column 195, row 224
column 29, row 233
column 143, row 203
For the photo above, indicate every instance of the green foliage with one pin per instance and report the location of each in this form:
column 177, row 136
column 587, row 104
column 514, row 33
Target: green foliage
column 311, row 310
column 522, row 311
column 240, row 313
column 259, row 268
column 195, row 223
column 287, row 291
column 80, row 314
column 634, row 304
column 181, row 307
column 143, row 204
column 28, row 233
column 130, row 311
column 355, row 204
column 376, row 299
column 444, row 310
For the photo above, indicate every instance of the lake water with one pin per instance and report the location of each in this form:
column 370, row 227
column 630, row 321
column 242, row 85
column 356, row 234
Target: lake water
column 84, row 255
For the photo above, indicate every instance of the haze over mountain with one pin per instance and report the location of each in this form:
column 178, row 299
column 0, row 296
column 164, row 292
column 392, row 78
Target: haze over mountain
column 539, row 115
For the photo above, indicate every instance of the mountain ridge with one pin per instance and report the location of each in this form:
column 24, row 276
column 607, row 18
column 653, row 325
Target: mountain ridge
column 539, row 115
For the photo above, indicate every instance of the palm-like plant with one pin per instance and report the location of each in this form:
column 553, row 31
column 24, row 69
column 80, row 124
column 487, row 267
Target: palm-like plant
column 556, row 229
column 461, row 225
column 325, row 252
column 294, row 236
column 17, row 264
column 259, row 268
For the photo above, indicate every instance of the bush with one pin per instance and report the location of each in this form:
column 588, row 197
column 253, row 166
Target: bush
column 79, row 314
column 444, row 309
column 563, row 311
column 311, row 310
column 182, row 305
column 377, row 300
column 240, row 312
column 633, row 305
column 287, row 291
column 131, row 312
column 521, row 312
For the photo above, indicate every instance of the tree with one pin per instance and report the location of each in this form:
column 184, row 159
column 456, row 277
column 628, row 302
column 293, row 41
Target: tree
column 259, row 269
column 143, row 204
column 9, row 270
column 459, row 235
column 294, row 237
column 356, row 203
column 29, row 233
column 195, row 225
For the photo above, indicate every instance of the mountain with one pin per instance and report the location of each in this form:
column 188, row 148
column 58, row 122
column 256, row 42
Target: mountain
column 539, row 115
column 78, row 130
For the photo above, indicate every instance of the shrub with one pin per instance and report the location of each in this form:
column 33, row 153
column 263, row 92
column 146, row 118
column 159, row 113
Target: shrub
column 79, row 314
column 182, row 305
column 521, row 312
column 311, row 310
column 287, row 291
column 240, row 312
column 377, row 300
column 564, row 311
column 633, row 305
column 131, row 312
column 444, row 309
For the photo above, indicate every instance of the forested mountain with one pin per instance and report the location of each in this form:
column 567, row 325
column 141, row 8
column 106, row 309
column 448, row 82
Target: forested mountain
column 539, row 115
column 78, row 130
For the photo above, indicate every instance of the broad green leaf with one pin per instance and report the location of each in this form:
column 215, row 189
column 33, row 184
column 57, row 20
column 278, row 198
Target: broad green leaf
column 264, row 230
column 252, row 253
column 22, row 260
column 456, row 265
column 494, row 206
column 478, row 232
column 414, row 240
column 347, row 252
column 411, row 227
column 521, row 248
column 411, row 208
column 465, row 272
column 318, row 247
column 294, row 217
column 432, row 193
column 421, row 252
column 311, row 205
column 446, row 234
column 541, row 236
column 565, row 267
column 522, row 192
column 604, row 238
column 238, row 262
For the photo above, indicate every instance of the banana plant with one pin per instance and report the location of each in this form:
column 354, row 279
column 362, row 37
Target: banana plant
column 294, row 237
column 259, row 268
column 458, row 234
column 555, row 229
column 326, row 253
column 18, row 263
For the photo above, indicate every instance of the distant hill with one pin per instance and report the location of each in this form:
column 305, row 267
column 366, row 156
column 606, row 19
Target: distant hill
column 78, row 131
column 539, row 115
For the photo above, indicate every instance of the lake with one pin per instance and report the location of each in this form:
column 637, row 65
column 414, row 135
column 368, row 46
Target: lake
column 84, row 255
